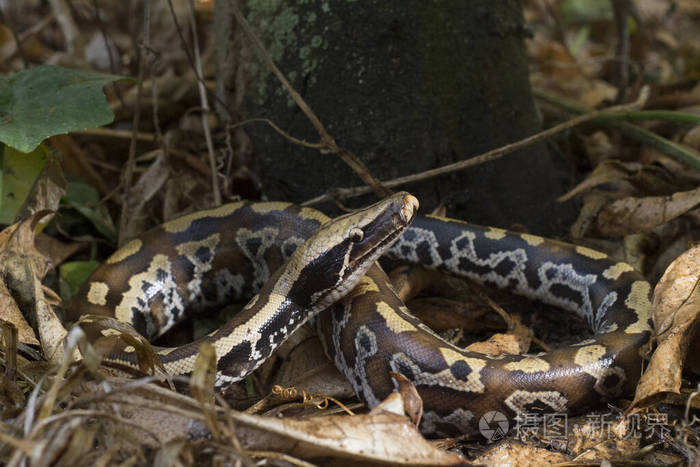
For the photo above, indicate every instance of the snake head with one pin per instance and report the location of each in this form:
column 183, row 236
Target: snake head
column 335, row 258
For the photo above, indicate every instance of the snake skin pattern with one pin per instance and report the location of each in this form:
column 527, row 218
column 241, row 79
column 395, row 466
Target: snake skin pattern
column 220, row 255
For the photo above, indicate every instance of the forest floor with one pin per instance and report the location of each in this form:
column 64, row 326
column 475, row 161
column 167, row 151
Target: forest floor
column 626, row 106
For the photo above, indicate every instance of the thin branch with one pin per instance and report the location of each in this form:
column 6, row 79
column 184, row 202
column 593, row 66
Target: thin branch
column 279, row 130
column 129, row 171
column 341, row 193
column 327, row 140
column 205, row 107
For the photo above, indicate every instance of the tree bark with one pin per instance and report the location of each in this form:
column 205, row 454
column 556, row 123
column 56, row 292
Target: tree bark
column 407, row 86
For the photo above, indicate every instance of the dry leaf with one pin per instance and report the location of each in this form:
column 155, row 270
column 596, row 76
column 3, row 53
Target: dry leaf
column 23, row 267
column 47, row 191
column 55, row 250
column 379, row 437
column 412, row 402
column 148, row 185
column 676, row 308
column 607, row 171
column 510, row 452
column 515, row 342
column 10, row 312
column 632, row 215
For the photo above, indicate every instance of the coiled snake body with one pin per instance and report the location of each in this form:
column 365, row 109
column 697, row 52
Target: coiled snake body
column 211, row 257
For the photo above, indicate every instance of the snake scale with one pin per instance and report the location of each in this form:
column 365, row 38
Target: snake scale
column 295, row 263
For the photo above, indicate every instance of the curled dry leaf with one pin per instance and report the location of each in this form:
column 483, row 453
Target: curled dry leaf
column 510, row 452
column 143, row 191
column 9, row 311
column 515, row 342
column 125, row 336
column 631, row 215
column 23, row 267
column 676, row 309
column 607, row 171
column 412, row 402
column 382, row 436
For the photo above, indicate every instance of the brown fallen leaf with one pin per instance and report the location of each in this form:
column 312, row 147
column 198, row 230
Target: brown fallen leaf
column 515, row 342
column 9, row 311
column 23, row 267
column 631, row 215
column 607, row 171
column 676, row 309
column 412, row 402
column 382, row 436
column 512, row 452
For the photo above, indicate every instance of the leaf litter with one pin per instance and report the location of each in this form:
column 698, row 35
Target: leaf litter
column 639, row 203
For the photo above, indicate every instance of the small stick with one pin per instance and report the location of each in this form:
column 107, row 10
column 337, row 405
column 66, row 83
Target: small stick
column 129, row 171
column 205, row 107
column 341, row 193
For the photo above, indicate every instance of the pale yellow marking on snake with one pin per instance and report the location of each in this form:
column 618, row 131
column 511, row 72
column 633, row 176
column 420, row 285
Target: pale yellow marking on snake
column 308, row 213
column 474, row 383
column 264, row 208
column 494, row 233
column 532, row 240
column 638, row 300
column 366, row 285
column 589, row 355
column 123, row 311
column 589, row 359
column 590, row 253
column 110, row 332
column 616, row 270
column 528, row 365
column 246, row 332
column 97, row 294
column 124, row 252
column 129, row 349
column 190, row 248
column 393, row 321
column 183, row 223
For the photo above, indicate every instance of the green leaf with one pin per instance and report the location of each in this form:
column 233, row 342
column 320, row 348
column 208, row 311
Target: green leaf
column 48, row 100
column 71, row 276
column 86, row 200
column 19, row 171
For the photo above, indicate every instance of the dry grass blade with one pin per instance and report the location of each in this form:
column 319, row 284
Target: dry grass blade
column 202, row 385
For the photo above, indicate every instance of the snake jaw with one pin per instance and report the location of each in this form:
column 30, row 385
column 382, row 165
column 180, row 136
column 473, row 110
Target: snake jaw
column 409, row 209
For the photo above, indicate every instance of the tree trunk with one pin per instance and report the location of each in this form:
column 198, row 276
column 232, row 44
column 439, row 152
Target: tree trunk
column 407, row 86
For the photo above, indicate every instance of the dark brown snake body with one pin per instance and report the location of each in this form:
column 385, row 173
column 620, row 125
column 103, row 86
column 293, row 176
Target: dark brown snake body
column 217, row 256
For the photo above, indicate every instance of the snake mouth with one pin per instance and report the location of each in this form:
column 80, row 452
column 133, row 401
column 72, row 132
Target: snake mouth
column 393, row 221
column 409, row 208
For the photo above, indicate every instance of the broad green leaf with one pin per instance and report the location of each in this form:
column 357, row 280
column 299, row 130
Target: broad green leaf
column 48, row 100
column 19, row 171
column 71, row 276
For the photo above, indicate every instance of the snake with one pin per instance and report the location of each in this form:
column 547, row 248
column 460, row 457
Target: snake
column 299, row 265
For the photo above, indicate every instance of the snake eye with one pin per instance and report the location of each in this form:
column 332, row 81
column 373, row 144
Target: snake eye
column 356, row 235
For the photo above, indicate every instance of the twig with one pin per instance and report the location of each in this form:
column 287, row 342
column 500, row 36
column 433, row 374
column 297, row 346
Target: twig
column 129, row 171
column 327, row 141
column 205, row 107
column 679, row 152
column 112, row 133
column 71, row 33
column 279, row 130
column 341, row 193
